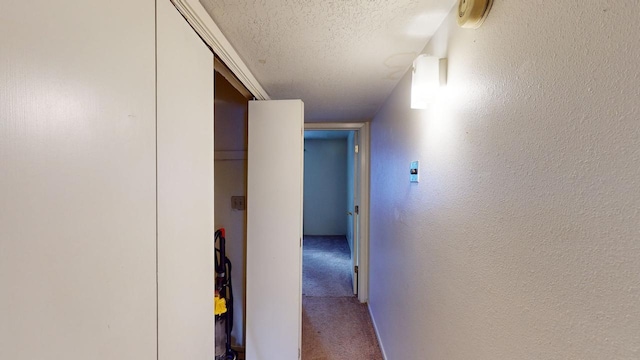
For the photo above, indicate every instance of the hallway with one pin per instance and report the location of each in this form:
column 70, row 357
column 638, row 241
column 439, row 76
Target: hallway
column 335, row 325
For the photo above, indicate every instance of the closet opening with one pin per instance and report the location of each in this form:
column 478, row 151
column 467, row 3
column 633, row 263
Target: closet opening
column 231, row 101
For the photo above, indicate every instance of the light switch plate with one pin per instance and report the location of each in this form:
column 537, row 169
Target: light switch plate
column 238, row 203
column 414, row 171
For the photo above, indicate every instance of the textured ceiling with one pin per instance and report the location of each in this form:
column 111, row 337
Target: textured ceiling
column 342, row 58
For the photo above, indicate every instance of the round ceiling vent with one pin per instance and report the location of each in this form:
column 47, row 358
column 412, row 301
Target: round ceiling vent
column 472, row 13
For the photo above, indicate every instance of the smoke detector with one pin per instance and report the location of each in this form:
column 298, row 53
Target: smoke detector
column 472, row 13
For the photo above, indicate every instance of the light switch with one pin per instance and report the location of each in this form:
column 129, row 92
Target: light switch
column 413, row 171
column 238, row 203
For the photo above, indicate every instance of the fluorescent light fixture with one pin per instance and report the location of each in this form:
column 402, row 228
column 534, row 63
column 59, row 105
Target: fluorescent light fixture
column 429, row 73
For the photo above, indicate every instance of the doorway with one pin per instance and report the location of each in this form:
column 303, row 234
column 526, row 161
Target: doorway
column 329, row 256
column 230, row 190
column 333, row 308
column 356, row 212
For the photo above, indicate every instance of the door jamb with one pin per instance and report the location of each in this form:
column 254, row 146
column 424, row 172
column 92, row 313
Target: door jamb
column 363, row 266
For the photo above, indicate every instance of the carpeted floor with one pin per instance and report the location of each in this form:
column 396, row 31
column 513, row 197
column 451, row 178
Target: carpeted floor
column 326, row 266
column 335, row 325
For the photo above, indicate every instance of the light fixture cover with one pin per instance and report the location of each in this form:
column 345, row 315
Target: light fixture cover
column 426, row 80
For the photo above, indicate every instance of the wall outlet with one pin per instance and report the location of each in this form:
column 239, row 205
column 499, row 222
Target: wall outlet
column 238, row 203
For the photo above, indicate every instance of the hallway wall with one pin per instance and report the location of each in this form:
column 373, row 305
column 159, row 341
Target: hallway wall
column 521, row 240
column 325, row 187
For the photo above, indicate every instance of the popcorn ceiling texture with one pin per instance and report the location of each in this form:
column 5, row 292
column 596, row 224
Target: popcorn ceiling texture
column 522, row 240
column 342, row 58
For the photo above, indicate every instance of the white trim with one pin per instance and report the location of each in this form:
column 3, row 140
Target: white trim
column 375, row 328
column 230, row 155
column 363, row 267
column 364, row 217
column 203, row 24
column 335, row 126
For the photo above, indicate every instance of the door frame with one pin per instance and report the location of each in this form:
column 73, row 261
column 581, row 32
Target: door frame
column 363, row 129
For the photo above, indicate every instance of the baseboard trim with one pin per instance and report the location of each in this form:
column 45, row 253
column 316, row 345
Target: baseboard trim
column 375, row 328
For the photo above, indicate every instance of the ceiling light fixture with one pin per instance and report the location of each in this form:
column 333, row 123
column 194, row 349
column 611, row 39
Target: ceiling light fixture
column 429, row 74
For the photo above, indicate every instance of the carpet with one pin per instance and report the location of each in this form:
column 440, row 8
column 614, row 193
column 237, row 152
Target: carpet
column 326, row 266
column 335, row 325
column 337, row 328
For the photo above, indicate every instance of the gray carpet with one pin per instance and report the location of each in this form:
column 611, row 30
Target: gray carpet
column 335, row 325
column 326, row 266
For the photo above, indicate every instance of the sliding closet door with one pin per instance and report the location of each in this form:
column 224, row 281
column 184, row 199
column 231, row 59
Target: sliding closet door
column 274, row 229
column 77, row 180
column 185, row 189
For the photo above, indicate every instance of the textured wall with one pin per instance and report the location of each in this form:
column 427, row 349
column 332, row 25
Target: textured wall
column 325, row 187
column 522, row 240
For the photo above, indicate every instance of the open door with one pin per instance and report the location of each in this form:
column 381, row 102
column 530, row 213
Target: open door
column 355, row 248
column 274, row 229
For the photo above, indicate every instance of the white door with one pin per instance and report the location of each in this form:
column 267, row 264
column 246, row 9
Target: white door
column 274, row 230
column 185, row 189
column 355, row 249
column 77, row 180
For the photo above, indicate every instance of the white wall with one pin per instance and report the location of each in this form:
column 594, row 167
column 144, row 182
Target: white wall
column 325, row 189
column 231, row 180
column 521, row 240
column 77, row 180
